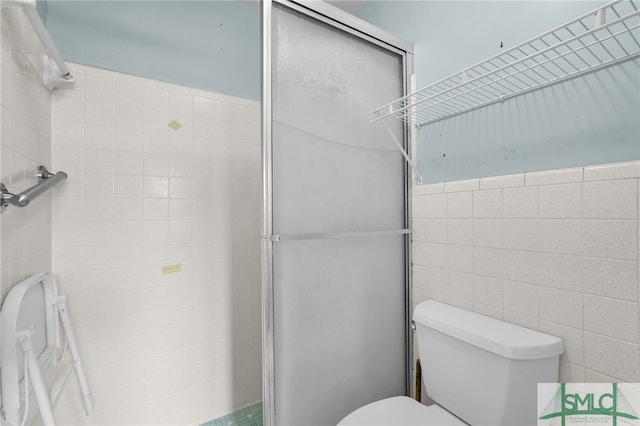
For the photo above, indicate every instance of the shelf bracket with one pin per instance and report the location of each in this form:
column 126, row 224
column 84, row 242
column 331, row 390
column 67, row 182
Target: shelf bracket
column 403, row 152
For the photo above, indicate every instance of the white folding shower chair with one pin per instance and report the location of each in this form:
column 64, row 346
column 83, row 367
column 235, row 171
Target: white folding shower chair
column 29, row 348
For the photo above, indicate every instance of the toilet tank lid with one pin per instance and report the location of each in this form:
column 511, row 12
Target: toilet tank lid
column 502, row 338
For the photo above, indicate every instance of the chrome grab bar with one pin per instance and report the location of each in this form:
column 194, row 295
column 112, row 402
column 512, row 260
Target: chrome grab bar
column 46, row 181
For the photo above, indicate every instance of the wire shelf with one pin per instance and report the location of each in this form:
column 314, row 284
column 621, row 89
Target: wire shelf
column 601, row 38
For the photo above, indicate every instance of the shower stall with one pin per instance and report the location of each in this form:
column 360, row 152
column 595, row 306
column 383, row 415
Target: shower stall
column 336, row 233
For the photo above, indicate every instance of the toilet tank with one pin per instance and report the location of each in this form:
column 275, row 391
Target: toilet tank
column 483, row 370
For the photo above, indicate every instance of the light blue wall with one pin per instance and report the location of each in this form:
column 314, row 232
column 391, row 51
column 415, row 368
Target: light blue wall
column 587, row 120
column 215, row 45
column 42, row 7
column 212, row 45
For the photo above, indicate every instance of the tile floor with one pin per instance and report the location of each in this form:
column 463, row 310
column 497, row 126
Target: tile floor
column 249, row 416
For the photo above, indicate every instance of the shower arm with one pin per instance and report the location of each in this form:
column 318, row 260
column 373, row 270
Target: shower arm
column 55, row 70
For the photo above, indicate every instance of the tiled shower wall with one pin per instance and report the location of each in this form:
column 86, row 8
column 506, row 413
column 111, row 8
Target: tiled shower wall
column 555, row 251
column 159, row 175
column 25, row 144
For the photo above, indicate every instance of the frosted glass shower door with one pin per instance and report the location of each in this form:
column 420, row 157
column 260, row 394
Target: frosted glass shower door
column 336, row 238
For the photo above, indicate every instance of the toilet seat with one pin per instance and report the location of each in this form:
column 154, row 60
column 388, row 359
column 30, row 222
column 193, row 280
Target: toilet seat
column 400, row 411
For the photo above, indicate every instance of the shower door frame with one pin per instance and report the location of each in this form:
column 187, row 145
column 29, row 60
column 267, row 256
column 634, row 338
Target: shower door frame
column 341, row 20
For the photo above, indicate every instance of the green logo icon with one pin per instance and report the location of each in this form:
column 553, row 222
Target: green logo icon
column 613, row 405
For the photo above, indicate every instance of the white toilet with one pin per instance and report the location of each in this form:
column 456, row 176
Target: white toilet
column 478, row 370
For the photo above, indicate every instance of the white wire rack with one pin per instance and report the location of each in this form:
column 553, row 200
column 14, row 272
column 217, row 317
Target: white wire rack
column 601, row 38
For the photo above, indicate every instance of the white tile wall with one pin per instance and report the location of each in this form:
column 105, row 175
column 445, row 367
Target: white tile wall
column 25, row 143
column 182, row 348
column 556, row 251
column 520, row 202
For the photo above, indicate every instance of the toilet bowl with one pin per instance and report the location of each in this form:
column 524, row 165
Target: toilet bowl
column 400, row 410
column 478, row 370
